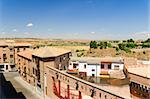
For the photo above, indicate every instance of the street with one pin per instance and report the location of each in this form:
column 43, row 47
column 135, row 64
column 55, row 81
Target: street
column 12, row 86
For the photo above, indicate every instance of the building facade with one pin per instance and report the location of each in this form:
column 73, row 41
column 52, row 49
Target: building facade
column 8, row 54
column 95, row 67
column 32, row 65
column 140, row 81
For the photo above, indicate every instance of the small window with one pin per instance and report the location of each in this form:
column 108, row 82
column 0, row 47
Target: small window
column 85, row 66
column 11, row 56
column 93, row 75
column 6, row 67
column 105, row 97
column 102, row 66
column 11, row 49
column 18, row 50
column 93, row 69
column 100, row 95
column 33, row 70
column 60, row 59
column 75, row 65
column 109, row 66
column 116, row 67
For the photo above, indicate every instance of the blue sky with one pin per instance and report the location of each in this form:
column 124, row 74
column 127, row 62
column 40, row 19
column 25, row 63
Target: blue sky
column 75, row 19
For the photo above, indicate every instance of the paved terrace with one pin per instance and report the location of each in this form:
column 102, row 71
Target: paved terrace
column 140, row 74
column 84, row 86
column 12, row 86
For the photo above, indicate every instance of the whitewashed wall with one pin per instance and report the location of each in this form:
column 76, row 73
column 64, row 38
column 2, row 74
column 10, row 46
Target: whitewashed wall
column 96, row 67
column 81, row 67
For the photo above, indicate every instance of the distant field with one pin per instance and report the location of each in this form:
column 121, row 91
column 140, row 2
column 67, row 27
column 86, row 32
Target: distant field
column 75, row 47
column 140, row 50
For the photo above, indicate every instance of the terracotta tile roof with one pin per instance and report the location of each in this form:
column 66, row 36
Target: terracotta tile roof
column 49, row 52
column 27, row 54
column 3, row 43
column 20, row 44
column 97, row 60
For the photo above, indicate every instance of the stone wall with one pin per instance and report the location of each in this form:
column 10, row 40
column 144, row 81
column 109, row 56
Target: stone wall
column 83, row 86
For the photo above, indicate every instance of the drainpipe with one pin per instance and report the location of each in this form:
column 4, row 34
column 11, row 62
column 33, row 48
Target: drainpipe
column 68, row 91
column 80, row 96
column 59, row 93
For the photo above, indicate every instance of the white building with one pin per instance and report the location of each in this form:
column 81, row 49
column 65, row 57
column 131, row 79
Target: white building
column 97, row 67
column 5, row 67
column 93, row 70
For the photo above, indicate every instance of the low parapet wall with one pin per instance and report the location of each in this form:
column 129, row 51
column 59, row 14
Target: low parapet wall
column 83, row 86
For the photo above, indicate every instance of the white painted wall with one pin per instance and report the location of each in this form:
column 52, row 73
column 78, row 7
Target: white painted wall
column 71, row 65
column 93, row 66
column 6, row 70
column 81, row 67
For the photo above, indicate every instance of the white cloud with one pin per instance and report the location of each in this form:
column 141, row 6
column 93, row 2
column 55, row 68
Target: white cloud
column 140, row 35
column 92, row 32
column 27, row 33
column 144, row 33
column 29, row 24
column 76, row 33
column 49, row 29
column 14, row 30
column 3, row 33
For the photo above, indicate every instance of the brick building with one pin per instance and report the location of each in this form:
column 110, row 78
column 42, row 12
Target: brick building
column 8, row 54
column 32, row 64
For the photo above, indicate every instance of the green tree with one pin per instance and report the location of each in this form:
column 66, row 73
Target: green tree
column 93, row 44
column 131, row 45
column 117, row 49
column 127, row 50
column 130, row 40
column 109, row 45
column 122, row 46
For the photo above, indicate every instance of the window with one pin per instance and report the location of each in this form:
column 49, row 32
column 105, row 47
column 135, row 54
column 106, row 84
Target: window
column 116, row 67
column 33, row 70
column 6, row 67
column 11, row 56
column 85, row 66
column 1, row 66
column 102, row 66
column 105, row 97
column 93, row 69
column 4, row 55
column 93, row 75
column 75, row 65
column 100, row 95
column 109, row 66
column 60, row 59
column 11, row 49
column 18, row 50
